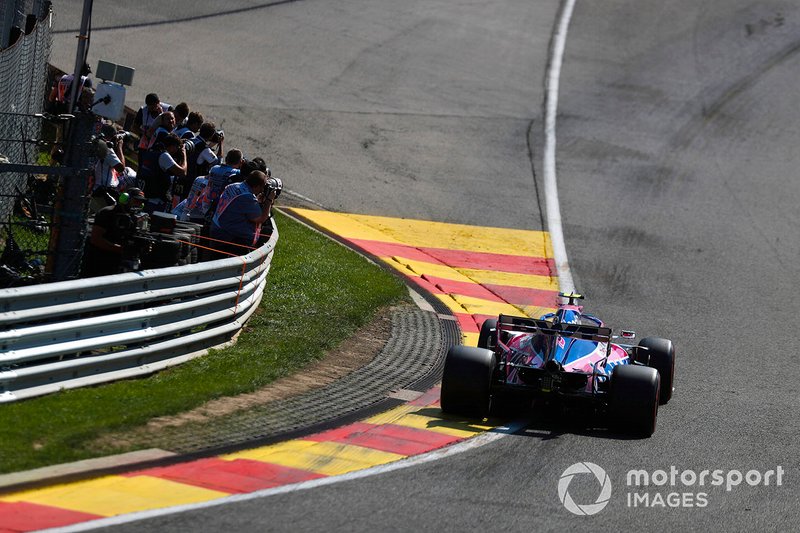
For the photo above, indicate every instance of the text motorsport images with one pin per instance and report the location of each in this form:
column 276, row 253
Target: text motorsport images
column 660, row 488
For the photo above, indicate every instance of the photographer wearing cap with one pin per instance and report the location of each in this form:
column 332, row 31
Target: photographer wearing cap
column 108, row 244
column 241, row 210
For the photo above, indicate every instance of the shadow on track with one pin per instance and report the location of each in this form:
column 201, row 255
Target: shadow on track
column 181, row 20
column 551, row 422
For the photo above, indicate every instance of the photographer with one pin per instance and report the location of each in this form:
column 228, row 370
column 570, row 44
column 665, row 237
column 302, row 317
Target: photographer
column 59, row 95
column 242, row 208
column 192, row 127
column 206, row 150
column 161, row 166
column 113, row 227
column 111, row 176
column 163, row 125
column 202, row 196
column 144, row 119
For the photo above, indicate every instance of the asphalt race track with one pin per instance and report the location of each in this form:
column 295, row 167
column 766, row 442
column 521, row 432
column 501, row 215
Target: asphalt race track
column 679, row 196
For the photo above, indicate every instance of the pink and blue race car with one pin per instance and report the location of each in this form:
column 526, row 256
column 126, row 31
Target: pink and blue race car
column 566, row 357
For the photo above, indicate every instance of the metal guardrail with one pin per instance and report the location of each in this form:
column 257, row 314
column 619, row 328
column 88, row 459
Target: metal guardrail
column 76, row 333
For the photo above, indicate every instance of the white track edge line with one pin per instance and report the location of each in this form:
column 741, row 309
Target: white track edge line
column 549, row 163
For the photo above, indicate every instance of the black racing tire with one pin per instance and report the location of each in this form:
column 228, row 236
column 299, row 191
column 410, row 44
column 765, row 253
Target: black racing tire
column 660, row 355
column 467, row 380
column 488, row 336
column 634, row 399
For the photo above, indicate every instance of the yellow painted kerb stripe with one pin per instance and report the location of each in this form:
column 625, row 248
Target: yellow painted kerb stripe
column 328, row 458
column 427, row 234
column 428, row 418
column 113, row 495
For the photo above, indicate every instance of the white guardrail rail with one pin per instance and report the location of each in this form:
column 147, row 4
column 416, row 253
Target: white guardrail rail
column 76, row 333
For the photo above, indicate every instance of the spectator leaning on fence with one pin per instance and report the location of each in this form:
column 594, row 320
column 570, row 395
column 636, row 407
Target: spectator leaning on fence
column 242, row 208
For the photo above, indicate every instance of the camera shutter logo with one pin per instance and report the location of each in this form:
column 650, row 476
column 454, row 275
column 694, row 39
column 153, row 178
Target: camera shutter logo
column 602, row 498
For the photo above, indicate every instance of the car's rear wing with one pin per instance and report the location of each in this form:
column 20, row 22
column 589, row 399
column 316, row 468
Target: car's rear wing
column 535, row 325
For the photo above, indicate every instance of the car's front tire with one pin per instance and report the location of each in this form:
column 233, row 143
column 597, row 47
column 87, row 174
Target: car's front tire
column 467, row 380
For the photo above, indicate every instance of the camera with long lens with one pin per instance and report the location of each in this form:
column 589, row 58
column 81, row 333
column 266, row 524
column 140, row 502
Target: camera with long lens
column 111, row 140
column 124, row 136
column 218, row 136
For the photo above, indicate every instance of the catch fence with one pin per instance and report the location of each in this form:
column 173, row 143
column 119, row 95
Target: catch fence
column 26, row 199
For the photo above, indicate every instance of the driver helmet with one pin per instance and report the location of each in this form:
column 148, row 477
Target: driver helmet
column 567, row 316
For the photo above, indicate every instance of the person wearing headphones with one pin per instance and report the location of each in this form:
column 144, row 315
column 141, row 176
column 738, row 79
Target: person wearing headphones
column 105, row 250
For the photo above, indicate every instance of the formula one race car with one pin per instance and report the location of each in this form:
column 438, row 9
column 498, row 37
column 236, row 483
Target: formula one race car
column 568, row 357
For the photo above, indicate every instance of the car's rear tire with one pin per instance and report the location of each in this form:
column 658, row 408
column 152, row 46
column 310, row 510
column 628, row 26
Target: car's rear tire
column 467, row 380
column 634, row 399
column 488, row 336
column 661, row 356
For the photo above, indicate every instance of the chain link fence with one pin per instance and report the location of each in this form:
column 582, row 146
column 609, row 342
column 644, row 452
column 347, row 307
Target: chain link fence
column 28, row 184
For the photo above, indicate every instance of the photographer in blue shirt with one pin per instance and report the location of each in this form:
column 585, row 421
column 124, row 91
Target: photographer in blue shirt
column 241, row 210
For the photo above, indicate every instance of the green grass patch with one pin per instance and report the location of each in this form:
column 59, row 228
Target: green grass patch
column 32, row 237
column 318, row 293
